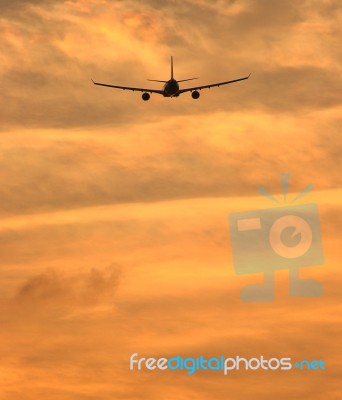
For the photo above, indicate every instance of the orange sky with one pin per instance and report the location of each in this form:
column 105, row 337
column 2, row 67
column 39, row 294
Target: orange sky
column 114, row 234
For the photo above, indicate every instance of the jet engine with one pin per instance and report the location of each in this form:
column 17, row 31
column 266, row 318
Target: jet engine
column 145, row 96
column 195, row 94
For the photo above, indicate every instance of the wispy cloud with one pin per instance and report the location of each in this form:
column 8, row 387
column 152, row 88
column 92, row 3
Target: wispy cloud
column 114, row 234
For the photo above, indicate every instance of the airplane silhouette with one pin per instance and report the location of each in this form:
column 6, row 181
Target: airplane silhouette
column 171, row 87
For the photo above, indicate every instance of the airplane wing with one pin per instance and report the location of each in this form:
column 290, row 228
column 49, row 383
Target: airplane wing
column 129, row 88
column 212, row 85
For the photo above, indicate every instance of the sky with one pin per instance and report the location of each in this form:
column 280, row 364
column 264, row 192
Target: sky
column 115, row 236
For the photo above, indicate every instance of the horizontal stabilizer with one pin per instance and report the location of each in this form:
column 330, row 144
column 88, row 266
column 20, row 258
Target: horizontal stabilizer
column 155, row 80
column 190, row 79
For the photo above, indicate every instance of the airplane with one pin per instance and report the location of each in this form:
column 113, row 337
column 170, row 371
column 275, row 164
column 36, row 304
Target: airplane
column 171, row 87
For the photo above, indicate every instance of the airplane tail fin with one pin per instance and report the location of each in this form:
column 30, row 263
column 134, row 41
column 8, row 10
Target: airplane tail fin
column 183, row 80
column 155, row 80
column 171, row 67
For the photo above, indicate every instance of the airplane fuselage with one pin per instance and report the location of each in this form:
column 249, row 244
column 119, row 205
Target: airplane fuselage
column 171, row 88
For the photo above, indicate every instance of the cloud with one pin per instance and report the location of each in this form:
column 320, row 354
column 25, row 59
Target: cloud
column 16, row 8
column 177, row 295
column 218, row 155
column 92, row 177
column 86, row 288
column 51, row 55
